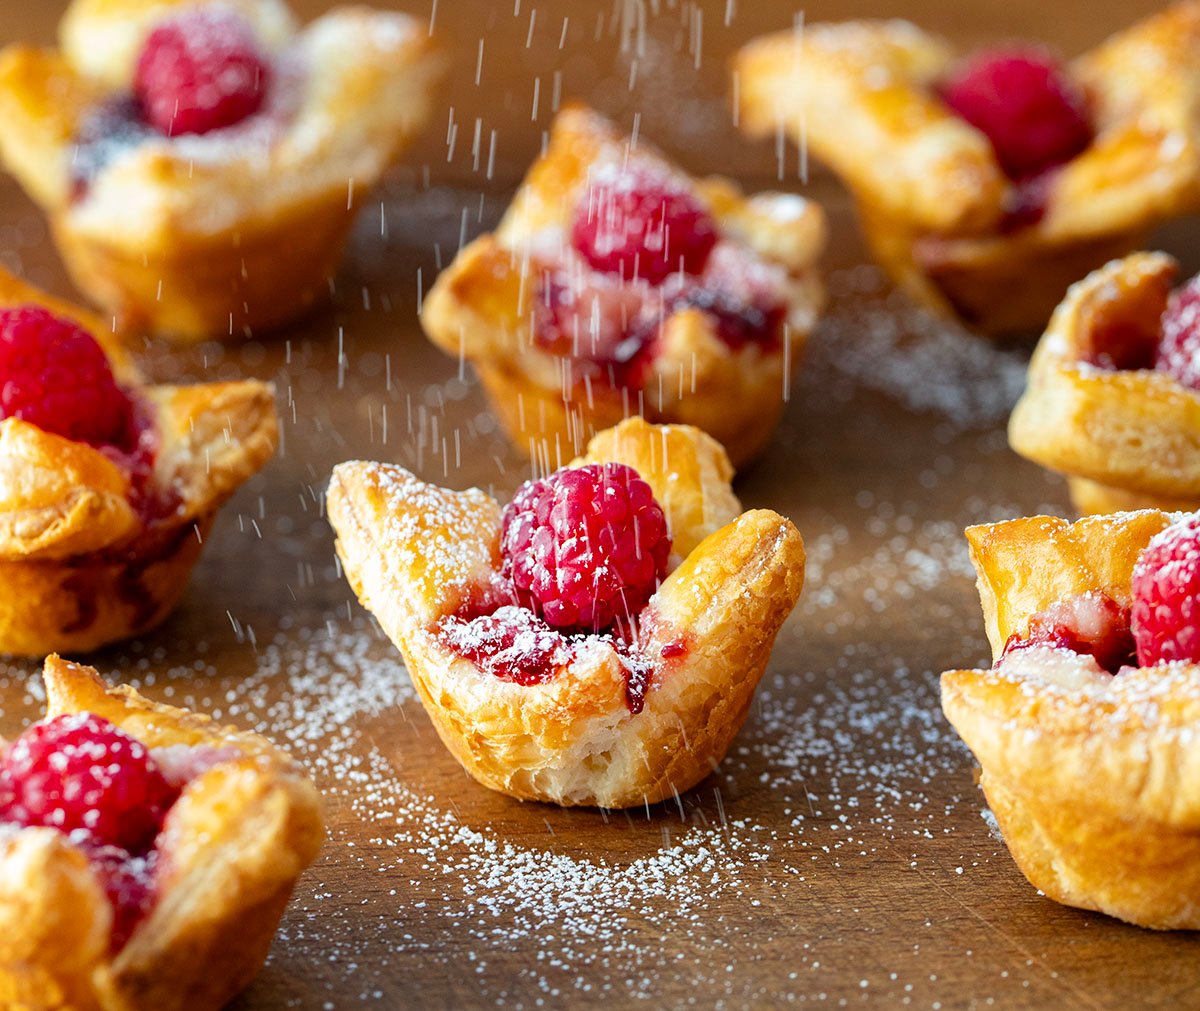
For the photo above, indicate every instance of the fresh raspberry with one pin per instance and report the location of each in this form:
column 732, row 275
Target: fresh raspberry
column 1179, row 349
column 200, row 71
column 81, row 774
column 642, row 224
column 1091, row 624
column 54, row 375
column 1166, row 596
column 586, row 546
column 1033, row 113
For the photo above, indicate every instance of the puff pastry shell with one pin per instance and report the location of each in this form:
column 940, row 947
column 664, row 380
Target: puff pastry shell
column 415, row 553
column 80, row 566
column 230, row 853
column 239, row 229
column 934, row 202
column 1094, row 779
column 1125, row 439
column 481, row 309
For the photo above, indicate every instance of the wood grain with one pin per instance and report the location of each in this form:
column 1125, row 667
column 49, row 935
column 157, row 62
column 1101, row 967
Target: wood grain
column 849, row 861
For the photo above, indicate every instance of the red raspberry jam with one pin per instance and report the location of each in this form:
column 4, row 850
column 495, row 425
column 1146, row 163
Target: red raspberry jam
column 512, row 644
column 128, row 882
column 1091, row 624
column 598, row 325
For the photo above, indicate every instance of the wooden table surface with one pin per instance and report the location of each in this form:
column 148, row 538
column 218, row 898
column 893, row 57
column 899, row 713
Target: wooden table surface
column 842, row 855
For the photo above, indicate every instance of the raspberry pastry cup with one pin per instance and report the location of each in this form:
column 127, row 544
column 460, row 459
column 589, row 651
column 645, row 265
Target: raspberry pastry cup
column 615, row 285
column 979, row 187
column 503, row 621
column 1111, row 401
column 197, row 217
column 1086, row 728
column 183, row 920
column 97, row 540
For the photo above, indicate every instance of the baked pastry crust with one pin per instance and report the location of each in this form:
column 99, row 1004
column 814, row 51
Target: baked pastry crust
column 481, row 309
column 1094, row 779
column 241, row 229
column 231, row 850
column 415, row 554
column 1125, row 439
column 934, row 202
column 80, row 564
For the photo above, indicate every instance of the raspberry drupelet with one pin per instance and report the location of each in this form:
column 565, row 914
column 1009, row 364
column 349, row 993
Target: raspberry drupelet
column 55, row 375
column 585, row 547
column 1166, row 596
column 642, row 224
column 1031, row 110
column 89, row 779
column 200, row 71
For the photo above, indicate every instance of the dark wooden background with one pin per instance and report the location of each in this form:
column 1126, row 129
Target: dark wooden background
column 841, row 856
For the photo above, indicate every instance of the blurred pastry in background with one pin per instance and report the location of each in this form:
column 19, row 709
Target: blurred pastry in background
column 201, row 162
column 615, row 285
column 109, row 485
column 1113, row 398
column 987, row 184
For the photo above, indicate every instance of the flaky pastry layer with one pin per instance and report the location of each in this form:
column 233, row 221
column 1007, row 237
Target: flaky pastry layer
column 233, row 846
column 1130, row 438
column 208, row 236
column 415, row 554
column 481, row 308
column 81, row 563
column 1093, row 778
column 934, row 203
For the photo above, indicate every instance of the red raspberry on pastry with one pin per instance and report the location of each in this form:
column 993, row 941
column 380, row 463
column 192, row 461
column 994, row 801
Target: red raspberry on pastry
column 200, row 71
column 54, row 375
column 1179, row 349
column 81, row 774
column 1166, row 596
column 1091, row 624
column 1033, row 113
column 585, row 547
column 642, row 224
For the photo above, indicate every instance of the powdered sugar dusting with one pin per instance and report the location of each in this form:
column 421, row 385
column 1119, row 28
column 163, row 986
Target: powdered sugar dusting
column 449, row 881
column 876, row 339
